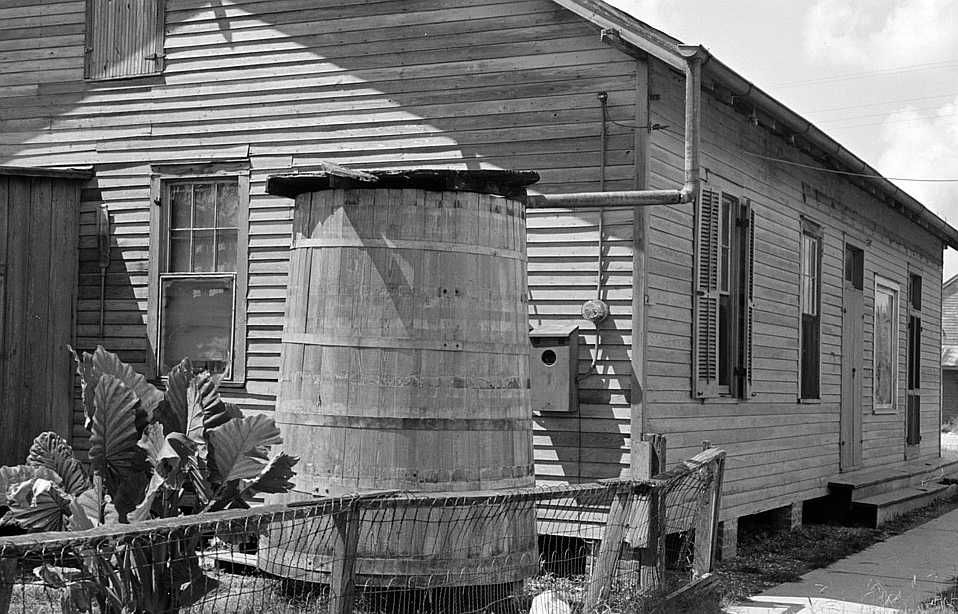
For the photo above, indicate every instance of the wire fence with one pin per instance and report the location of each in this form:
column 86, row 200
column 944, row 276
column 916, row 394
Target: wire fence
column 619, row 546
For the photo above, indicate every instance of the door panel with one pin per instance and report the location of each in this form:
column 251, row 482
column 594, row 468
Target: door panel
column 853, row 349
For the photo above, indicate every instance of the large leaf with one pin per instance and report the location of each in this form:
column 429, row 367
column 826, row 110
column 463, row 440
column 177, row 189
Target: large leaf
column 113, row 435
column 114, row 454
column 91, row 367
column 108, row 363
column 88, row 380
column 11, row 477
column 172, row 413
column 240, row 446
column 38, row 505
column 53, row 452
column 164, row 459
column 275, row 477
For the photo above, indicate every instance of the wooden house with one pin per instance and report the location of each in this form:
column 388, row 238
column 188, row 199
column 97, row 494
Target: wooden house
column 949, row 349
column 791, row 315
column 39, row 217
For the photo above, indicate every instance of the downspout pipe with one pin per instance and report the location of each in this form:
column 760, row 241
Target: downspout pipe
column 694, row 56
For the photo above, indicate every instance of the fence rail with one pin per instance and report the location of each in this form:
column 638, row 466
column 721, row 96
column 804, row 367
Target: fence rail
column 616, row 545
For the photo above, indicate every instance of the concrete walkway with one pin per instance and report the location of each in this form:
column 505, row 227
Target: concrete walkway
column 891, row 576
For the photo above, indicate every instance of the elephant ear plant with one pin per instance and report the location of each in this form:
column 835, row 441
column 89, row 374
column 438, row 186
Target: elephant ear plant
column 153, row 454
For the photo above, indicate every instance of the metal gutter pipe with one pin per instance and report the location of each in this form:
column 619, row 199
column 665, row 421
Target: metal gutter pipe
column 694, row 56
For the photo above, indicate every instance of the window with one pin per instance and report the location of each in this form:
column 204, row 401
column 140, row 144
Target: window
column 124, row 38
column 810, row 303
column 885, row 350
column 198, row 273
column 913, row 408
column 723, row 296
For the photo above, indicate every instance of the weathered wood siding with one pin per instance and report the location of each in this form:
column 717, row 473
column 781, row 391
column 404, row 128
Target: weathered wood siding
column 780, row 450
column 466, row 83
column 471, row 84
column 38, row 263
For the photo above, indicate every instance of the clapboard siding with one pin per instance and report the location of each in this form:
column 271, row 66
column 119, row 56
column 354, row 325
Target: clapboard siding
column 779, row 450
column 288, row 84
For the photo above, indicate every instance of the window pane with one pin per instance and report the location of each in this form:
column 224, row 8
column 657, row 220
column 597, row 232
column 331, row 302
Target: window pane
column 180, row 251
column 725, row 330
column 725, row 226
column 204, row 196
column 196, row 321
column 884, row 346
column 180, row 206
column 202, row 251
column 226, row 250
column 226, row 205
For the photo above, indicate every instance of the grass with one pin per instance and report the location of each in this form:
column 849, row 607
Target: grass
column 766, row 559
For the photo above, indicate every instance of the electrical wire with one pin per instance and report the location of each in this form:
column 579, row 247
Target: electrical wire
column 883, row 102
column 849, row 173
column 868, row 73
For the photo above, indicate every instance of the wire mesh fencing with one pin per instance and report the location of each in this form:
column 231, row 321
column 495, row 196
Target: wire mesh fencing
column 620, row 546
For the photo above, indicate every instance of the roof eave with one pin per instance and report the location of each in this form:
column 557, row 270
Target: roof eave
column 657, row 44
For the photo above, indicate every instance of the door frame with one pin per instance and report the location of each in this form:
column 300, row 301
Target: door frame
column 851, row 405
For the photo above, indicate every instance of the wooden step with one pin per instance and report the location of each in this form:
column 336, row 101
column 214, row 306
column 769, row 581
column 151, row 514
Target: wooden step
column 878, row 509
column 866, row 483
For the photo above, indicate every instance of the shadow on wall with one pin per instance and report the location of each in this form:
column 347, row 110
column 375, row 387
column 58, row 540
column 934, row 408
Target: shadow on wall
column 380, row 84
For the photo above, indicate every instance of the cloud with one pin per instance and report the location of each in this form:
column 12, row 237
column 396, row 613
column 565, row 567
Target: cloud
column 888, row 34
column 919, row 145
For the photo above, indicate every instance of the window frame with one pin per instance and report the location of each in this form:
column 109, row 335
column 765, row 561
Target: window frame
column 708, row 270
column 886, row 284
column 813, row 231
column 162, row 177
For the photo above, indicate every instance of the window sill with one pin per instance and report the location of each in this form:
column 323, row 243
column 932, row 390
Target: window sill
column 885, row 411
column 720, row 400
column 160, row 383
column 809, row 401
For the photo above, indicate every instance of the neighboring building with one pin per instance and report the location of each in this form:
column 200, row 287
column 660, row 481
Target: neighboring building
column 949, row 350
column 770, row 319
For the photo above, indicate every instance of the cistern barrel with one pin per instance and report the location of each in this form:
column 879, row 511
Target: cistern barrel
column 405, row 358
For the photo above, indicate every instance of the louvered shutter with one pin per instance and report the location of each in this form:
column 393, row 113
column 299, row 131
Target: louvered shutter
column 706, row 299
column 747, row 219
column 124, row 38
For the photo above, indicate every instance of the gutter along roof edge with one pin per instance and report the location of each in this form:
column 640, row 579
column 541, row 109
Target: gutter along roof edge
column 665, row 48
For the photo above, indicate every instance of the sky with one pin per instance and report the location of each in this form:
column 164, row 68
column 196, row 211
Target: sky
column 879, row 76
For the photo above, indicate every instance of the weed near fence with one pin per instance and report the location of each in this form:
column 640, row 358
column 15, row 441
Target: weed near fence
column 616, row 545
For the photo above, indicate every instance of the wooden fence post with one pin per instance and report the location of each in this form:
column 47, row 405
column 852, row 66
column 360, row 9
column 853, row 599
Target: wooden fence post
column 609, row 550
column 652, row 556
column 342, row 576
column 650, row 457
column 8, row 577
column 706, row 526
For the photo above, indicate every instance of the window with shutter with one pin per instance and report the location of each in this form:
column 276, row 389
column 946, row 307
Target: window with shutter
column 722, row 347
column 810, row 308
column 706, row 299
column 124, row 38
column 913, row 417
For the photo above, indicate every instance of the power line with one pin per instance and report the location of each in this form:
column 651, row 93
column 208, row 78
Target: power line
column 878, row 104
column 894, row 121
column 860, row 116
column 849, row 173
column 869, row 73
